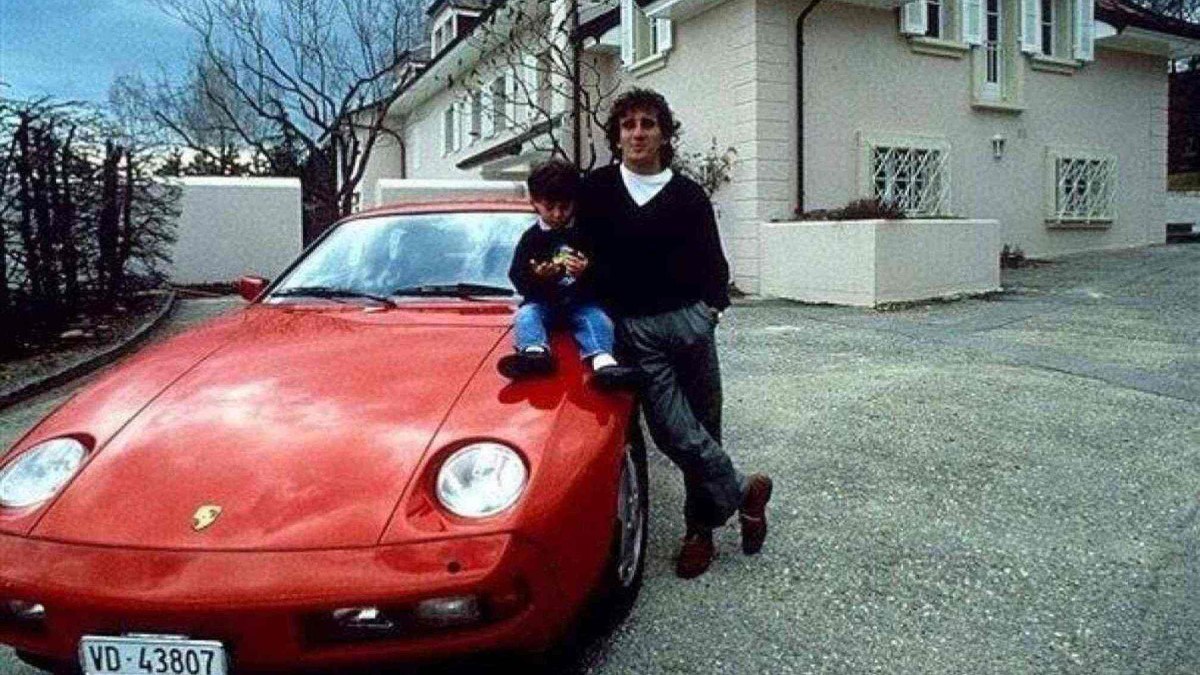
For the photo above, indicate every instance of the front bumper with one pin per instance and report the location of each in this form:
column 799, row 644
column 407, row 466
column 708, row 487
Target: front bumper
column 258, row 604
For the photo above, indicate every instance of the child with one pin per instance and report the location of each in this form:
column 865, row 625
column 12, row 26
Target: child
column 550, row 271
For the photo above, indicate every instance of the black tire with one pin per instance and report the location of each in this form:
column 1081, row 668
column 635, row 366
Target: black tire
column 614, row 597
column 620, row 587
column 48, row 665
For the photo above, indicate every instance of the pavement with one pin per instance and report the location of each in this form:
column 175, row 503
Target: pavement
column 995, row 485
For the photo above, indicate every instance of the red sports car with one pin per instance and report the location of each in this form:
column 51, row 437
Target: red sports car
column 336, row 474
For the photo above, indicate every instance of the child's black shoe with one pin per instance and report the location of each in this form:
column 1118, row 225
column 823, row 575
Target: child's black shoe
column 614, row 378
column 526, row 364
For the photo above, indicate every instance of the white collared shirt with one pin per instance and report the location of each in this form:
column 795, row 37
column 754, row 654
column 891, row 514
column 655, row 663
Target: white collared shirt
column 643, row 188
column 546, row 228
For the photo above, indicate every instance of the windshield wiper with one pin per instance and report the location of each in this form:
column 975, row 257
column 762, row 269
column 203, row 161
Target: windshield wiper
column 333, row 294
column 466, row 291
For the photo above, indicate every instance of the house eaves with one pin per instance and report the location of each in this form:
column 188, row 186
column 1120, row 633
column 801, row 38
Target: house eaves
column 598, row 19
column 470, row 5
column 440, row 72
column 458, row 57
column 678, row 10
column 509, row 148
column 1138, row 29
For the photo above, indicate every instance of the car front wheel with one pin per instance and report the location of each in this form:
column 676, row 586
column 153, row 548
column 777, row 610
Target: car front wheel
column 627, row 561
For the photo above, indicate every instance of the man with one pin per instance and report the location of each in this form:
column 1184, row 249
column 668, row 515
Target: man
column 661, row 271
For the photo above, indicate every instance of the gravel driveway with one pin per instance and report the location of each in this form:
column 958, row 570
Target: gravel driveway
column 985, row 486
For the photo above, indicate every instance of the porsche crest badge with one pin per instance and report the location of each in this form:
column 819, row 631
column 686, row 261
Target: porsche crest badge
column 205, row 515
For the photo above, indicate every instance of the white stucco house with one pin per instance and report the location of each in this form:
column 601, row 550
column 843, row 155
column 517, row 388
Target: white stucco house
column 1048, row 117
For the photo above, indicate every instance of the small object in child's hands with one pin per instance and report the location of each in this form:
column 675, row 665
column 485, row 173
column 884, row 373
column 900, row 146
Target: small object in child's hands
column 562, row 254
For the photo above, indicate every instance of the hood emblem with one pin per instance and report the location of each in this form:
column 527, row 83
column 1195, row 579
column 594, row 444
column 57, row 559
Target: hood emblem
column 205, row 515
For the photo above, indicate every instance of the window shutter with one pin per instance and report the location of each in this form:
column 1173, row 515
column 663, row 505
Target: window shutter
column 1085, row 30
column 447, row 133
column 487, row 121
column 510, row 106
column 914, row 18
column 530, row 85
column 1031, row 26
column 464, row 123
column 458, row 125
column 663, row 36
column 627, row 19
column 972, row 22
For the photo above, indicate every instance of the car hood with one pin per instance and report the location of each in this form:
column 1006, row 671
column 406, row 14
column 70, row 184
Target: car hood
column 303, row 428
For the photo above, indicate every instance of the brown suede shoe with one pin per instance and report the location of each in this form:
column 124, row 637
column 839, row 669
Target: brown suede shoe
column 753, row 513
column 695, row 555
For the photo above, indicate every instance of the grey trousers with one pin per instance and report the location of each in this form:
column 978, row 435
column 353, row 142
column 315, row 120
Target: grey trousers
column 682, row 404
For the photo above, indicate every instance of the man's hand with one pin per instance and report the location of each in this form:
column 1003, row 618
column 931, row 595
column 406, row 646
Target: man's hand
column 544, row 270
column 575, row 263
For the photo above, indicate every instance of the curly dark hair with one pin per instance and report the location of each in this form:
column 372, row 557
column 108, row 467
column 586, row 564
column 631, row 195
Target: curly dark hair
column 554, row 180
column 646, row 100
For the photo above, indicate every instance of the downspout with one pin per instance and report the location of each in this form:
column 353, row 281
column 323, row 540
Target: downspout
column 576, row 93
column 800, row 104
column 403, row 151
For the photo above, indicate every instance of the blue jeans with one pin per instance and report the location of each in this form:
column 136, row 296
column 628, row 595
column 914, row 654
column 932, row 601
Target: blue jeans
column 592, row 328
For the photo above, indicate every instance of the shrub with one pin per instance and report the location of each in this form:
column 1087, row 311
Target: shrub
column 870, row 208
column 1011, row 258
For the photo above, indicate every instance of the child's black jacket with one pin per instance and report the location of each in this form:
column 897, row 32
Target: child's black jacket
column 542, row 245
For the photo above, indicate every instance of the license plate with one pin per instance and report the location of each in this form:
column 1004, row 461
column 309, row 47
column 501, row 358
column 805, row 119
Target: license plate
column 151, row 655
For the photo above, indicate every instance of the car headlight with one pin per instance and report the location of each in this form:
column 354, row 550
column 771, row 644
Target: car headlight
column 40, row 472
column 481, row 480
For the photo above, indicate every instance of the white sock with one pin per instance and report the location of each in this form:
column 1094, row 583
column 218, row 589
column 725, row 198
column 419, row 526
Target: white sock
column 536, row 349
column 603, row 360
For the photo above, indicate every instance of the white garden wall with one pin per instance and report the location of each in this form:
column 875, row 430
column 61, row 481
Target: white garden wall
column 230, row 227
column 1184, row 207
column 872, row 262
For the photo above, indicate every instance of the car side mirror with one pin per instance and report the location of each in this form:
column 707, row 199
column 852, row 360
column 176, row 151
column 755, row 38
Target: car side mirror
column 251, row 287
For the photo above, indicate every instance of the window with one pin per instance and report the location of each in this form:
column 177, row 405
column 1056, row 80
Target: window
column 449, row 130
column 1048, row 7
column 998, row 71
column 499, row 89
column 911, row 172
column 644, row 41
column 545, row 70
column 476, row 107
column 937, row 19
column 442, row 35
column 1082, row 186
column 935, row 27
column 993, row 46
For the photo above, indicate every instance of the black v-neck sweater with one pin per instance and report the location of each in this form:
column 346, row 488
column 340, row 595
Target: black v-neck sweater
column 661, row 256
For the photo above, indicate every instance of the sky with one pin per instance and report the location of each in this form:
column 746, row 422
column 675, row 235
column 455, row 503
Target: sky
column 72, row 49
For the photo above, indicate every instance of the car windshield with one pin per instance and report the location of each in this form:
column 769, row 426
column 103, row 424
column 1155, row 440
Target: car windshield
column 426, row 254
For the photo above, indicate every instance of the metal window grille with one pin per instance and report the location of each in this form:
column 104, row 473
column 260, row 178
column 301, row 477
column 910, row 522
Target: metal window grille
column 915, row 179
column 1085, row 188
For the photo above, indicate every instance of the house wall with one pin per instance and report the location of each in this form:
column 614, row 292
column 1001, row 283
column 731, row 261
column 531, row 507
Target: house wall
column 711, row 91
column 424, row 124
column 860, row 75
column 421, row 129
column 386, row 161
column 1184, row 207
